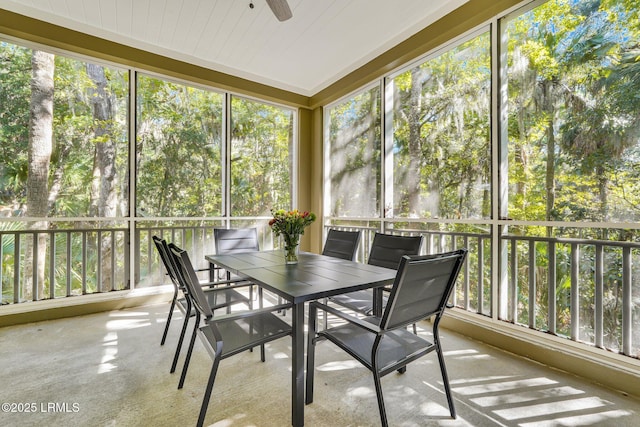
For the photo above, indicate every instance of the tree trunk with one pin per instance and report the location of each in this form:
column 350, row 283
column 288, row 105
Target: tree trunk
column 415, row 143
column 371, row 171
column 40, row 149
column 550, row 180
column 103, row 187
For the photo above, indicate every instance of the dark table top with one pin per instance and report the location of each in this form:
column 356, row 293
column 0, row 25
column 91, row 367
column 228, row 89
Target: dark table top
column 313, row 277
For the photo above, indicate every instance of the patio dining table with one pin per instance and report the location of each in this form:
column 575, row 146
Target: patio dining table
column 313, row 277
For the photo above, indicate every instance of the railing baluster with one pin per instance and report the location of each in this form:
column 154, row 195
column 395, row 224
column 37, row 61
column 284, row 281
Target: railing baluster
column 513, row 283
column 69, row 254
column 52, row 265
column 575, row 293
column 532, row 284
column 84, row 262
column 99, row 284
column 552, row 287
column 467, row 286
column 126, row 244
column 113, row 259
column 599, row 297
column 150, row 252
column 34, row 269
column 137, row 261
column 17, row 266
column 480, row 275
column 627, row 302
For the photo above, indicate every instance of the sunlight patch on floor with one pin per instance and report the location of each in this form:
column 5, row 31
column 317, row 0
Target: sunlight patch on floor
column 123, row 324
column 494, row 387
column 465, row 352
column 338, row 366
column 479, row 379
column 228, row 422
column 556, row 407
column 109, row 353
column 526, row 396
column 580, row 420
column 361, row 392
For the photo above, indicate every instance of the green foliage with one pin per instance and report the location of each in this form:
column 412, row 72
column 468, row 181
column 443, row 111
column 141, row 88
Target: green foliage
column 180, row 141
column 354, row 143
column 261, row 157
column 572, row 82
column 441, row 135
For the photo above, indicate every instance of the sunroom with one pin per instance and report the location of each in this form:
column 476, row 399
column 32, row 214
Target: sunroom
column 506, row 127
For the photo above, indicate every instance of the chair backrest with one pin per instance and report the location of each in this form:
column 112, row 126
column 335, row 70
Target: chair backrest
column 422, row 288
column 235, row 240
column 387, row 250
column 167, row 261
column 187, row 275
column 341, row 244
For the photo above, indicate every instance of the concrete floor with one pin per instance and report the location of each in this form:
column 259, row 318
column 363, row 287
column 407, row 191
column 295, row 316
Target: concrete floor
column 109, row 369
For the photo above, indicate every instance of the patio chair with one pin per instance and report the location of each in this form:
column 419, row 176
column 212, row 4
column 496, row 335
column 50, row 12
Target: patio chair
column 219, row 299
column 341, row 244
column 386, row 251
column 421, row 290
column 226, row 335
column 236, row 240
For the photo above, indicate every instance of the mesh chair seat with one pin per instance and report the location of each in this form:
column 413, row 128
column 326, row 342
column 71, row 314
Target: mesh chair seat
column 396, row 346
column 222, row 298
column 360, row 301
column 242, row 334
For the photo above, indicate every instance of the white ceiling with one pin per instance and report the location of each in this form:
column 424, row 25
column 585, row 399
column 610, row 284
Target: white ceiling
column 324, row 41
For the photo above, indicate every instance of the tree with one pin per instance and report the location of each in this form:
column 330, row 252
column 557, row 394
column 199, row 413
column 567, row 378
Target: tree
column 103, row 187
column 40, row 148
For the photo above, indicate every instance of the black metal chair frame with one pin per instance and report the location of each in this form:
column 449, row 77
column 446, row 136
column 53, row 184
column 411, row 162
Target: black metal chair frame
column 223, row 298
column 421, row 290
column 226, row 335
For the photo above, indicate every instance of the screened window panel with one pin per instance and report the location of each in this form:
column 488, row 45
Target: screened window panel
column 441, row 135
column 64, row 145
column 179, row 143
column 574, row 152
column 354, row 144
column 262, row 151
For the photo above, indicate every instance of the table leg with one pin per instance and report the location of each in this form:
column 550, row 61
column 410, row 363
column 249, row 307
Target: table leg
column 212, row 272
column 377, row 301
column 297, row 365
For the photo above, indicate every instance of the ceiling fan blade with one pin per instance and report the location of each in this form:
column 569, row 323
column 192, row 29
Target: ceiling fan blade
column 281, row 9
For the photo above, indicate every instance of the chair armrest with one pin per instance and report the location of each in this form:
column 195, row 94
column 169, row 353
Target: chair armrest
column 225, row 282
column 226, row 288
column 249, row 313
column 349, row 318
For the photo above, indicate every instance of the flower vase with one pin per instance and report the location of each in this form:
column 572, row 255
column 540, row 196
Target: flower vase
column 291, row 248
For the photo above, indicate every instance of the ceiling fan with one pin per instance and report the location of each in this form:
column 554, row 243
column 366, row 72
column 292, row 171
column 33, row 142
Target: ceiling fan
column 280, row 9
